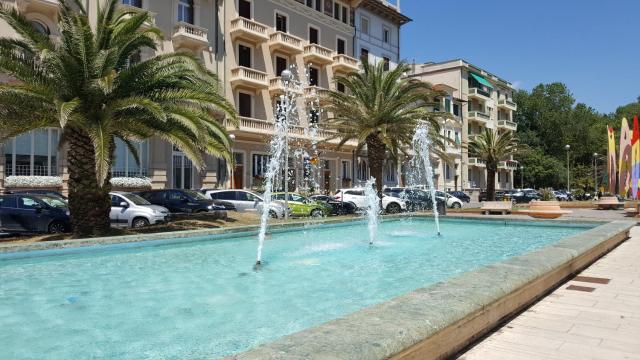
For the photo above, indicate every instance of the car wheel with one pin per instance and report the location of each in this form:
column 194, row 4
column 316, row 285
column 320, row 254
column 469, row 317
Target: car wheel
column 273, row 214
column 393, row 208
column 316, row 213
column 139, row 222
column 456, row 205
column 57, row 227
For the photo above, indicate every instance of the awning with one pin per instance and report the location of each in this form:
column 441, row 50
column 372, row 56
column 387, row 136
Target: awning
column 482, row 80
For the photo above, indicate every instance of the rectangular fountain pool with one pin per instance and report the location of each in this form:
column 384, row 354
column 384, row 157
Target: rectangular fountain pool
column 198, row 298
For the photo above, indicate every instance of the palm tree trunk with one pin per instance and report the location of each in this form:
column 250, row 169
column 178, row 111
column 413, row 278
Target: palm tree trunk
column 491, row 181
column 89, row 203
column 375, row 153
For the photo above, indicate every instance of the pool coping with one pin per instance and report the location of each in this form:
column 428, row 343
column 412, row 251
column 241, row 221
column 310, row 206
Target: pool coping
column 437, row 321
column 13, row 247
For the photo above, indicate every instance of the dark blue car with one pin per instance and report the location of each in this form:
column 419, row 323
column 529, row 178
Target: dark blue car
column 33, row 213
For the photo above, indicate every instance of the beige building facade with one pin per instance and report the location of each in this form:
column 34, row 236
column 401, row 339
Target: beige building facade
column 475, row 100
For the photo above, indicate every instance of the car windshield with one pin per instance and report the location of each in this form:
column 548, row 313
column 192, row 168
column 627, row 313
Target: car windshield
column 52, row 201
column 296, row 197
column 195, row 195
column 136, row 199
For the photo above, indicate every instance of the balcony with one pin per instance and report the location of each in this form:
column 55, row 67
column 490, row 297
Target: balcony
column 248, row 30
column 508, row 125
column 315, row 91
column 479, row 94
column 479, row 116
column 345, row 63
column 260, row 128
column 507, row 104
column 242, row 76
column 509, row 165
column 276, row 87
column 48, row 7
column 477, row 162
column 317, row 54
column 286, row 43
column 137, row 10
column 190, row 36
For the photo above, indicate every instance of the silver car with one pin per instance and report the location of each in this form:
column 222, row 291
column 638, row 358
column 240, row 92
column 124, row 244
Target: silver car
column 245, row 200
column 131, row 210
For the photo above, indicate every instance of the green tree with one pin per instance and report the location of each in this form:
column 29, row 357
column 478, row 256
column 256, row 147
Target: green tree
column 84, row 83
column 540, row 170
column 380, row 109
column 493, row 147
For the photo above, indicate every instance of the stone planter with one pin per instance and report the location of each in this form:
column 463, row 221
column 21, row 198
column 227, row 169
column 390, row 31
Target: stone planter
column 608, row 203
column 546, row 209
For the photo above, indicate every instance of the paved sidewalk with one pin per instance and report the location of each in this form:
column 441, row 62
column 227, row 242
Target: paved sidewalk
column 592, row 320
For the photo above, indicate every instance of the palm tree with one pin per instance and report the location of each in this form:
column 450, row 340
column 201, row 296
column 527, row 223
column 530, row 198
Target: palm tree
column 493, row 147
column 380, row 109
column 86, row 84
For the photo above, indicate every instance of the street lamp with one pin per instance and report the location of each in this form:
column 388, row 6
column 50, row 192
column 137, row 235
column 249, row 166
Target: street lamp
column 233, row 162
column 286, row 76
column 522, row 176
column 595, row 174
column 568, row 147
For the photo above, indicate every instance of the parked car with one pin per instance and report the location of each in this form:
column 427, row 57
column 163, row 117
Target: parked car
column 33, row 213
column 461, row 195
column 245, row 200
column 303, row 206
column 50, row 193
column 131, row 210
column 525, row 196
column 182, row 201
column 561, row 196
column 337, row 207
column 416, row 199
column 452, row 201
column 390, row 204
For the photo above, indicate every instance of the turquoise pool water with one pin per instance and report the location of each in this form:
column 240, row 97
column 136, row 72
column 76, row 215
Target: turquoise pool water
column 200, row 299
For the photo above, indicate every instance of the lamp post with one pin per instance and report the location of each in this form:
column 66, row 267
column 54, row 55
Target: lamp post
column 595, row 173
column 286, row 76
column 233, row 162
column 522, row 176
column 568, row 147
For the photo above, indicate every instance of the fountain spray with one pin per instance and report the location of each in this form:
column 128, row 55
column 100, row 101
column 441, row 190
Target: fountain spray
column 421, row 145
column 373, row 208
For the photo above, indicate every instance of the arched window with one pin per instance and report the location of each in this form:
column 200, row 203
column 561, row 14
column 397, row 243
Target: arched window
column 40, row 27
column 185, row 11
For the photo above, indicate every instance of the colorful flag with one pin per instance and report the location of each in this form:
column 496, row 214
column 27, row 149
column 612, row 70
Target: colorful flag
column 611, row 160
column 635, row 159
column 624, row 162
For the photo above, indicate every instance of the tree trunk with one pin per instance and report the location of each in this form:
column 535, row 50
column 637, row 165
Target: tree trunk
column 89, row 203
column 375, row 153
column 491, row 181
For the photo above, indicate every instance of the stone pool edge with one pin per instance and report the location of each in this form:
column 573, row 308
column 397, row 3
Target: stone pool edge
column 125, row 239
column 438, row 321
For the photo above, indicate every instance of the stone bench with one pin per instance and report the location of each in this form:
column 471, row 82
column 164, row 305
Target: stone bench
column 608, row 203
column 502, row 207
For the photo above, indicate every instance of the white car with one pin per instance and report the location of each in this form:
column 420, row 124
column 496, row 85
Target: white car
column 452, row 201
column 245, row 200
column 132, row 210
column 390, row 204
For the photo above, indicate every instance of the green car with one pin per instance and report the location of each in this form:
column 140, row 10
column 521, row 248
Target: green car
column 303, row 206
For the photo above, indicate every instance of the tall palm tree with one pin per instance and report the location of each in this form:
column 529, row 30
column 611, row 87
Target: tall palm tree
column 493, row 147
column 85, row 84
column 380, row 109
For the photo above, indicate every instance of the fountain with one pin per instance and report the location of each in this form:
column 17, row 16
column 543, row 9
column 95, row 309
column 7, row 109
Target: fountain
column 373, row 208
column 421, row 145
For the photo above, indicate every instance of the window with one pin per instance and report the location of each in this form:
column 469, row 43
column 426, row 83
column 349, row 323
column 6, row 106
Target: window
column 245, row 196
column 224, row 195
column 364, row 55
column 244, row 105
column 341, row 46
column 313, row 76
column 32, row 154
column 314, row 116
column 244, row 9
column 390, row 174
column 386, row 63
column 340, row 87
column 345, row 14
column 310, row 3
column 185, row 11
column 319, row 5
column 124, row 163
column 456, row 109
column 447, row 171
column 8, row 202
column 328, row 7
column 281, row 23
column 244, row 56
column 447, row 104
column 364, row 25
column 345, row 173
column 116, row 201
column 136, row 3
column 313, row 35
column 385, row 35
column 260, row 163
column 281, row 65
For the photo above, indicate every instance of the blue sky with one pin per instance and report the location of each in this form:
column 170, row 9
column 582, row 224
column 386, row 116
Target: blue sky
column 593, row 46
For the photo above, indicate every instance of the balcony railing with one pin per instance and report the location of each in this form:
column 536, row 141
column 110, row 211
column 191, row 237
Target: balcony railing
column 246, row 76
column 476, row 162
column 312, row 91
column 479, row 116
column 509, row 164
column 282, row 41
column 190, row 35
column 345, row 63
column 25, row 170
column 508, row 104
column 249, row 30
column 317, row 53
column 508, row 124
column 475, row 92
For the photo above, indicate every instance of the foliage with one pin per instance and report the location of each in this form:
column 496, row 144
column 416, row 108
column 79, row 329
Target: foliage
column 131, row 182
column 33, row 181
column 86, row 83
column 493, row 147
column 380, row 109
column 547, row 194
